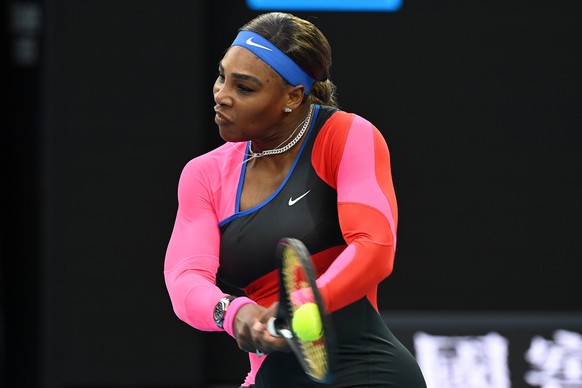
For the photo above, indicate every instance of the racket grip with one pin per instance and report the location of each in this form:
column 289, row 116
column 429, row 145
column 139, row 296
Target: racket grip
column 272, row 328
column 278, row 332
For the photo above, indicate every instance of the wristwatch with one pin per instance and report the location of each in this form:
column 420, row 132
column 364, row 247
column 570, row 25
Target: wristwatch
column 220, row 310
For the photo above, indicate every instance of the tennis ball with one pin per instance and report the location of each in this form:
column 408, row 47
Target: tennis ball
column 306, row 322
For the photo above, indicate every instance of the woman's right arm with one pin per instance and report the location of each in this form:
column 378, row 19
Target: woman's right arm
column 192, row 263
column 192, row 260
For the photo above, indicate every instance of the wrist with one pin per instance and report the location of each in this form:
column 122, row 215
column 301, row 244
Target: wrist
column 230, row 316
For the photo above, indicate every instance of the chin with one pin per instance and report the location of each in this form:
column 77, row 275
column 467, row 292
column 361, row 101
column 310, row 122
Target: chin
column 229, row 136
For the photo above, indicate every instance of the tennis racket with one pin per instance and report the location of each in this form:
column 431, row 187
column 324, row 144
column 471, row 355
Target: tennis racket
column 296, row 289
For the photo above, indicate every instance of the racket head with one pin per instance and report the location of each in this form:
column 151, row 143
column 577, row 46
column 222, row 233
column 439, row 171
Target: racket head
column 297, row 287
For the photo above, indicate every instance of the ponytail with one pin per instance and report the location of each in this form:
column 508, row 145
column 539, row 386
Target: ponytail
column 323, row 93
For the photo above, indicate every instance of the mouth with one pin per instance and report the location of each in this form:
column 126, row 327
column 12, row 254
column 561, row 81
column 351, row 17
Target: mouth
column 221, row 119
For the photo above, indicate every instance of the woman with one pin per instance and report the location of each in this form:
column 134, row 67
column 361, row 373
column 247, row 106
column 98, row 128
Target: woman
column 293, row 165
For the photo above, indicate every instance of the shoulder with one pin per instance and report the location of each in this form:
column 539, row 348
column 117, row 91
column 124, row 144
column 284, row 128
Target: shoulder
column 219, row 158
column 335, row 118
column 342, row 125
column 211, row 165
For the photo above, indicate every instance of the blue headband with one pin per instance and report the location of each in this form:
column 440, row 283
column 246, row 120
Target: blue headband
column 275, row 58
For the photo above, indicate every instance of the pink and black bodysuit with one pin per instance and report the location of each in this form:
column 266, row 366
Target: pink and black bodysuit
column 338, row 199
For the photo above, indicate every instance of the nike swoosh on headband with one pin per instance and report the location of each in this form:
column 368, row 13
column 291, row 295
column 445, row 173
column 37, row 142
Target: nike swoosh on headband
column 274, row 57
column 251, row 43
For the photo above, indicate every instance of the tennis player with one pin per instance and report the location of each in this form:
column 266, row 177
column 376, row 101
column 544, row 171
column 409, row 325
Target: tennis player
column 293, row 165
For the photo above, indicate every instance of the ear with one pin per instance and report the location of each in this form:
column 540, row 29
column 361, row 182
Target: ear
column 295, row 96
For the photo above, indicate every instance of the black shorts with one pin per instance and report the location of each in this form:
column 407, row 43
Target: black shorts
column 368, row 355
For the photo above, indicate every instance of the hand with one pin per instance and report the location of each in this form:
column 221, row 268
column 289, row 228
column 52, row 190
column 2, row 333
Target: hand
column 250, row 329
column 268, row 340
column 246, row 317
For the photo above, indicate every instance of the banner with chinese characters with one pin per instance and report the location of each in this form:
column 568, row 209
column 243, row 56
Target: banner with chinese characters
column 494, row 350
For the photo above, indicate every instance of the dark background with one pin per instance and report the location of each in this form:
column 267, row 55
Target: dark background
column 479, row 102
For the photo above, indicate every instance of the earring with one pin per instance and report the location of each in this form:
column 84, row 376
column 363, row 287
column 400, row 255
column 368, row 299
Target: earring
column 287, row 110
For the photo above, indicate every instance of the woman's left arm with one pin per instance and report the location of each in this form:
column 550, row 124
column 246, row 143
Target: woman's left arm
column 356, row 161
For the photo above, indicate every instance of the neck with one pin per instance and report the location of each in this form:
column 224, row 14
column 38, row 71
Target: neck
column 288, row 143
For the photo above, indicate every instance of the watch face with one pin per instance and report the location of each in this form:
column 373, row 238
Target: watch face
column 219, row 313
column 220, row 309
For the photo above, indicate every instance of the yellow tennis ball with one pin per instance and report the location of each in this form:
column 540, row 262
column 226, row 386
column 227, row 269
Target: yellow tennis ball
column 306, row 322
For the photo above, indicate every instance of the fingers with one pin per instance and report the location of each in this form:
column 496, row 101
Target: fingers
column 244, row 321
column 264, row 341
column 258, row 339
column 251, row 330
column 269, row 313
column 245, row 340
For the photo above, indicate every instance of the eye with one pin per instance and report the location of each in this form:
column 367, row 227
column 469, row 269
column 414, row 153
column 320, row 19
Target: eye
column 245, row 89
column 220, row 76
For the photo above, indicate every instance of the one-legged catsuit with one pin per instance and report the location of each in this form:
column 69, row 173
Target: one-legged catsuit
column 338, row 198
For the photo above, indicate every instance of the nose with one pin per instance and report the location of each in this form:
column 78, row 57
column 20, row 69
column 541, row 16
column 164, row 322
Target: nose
column 221, row 94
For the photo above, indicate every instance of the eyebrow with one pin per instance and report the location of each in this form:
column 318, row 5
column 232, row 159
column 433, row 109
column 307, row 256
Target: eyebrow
column 245, row 77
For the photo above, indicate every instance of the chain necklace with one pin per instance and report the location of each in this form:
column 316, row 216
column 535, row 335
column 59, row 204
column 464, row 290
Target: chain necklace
column 288, row 146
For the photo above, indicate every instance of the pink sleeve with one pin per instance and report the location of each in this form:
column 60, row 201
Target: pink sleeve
column 192, row 260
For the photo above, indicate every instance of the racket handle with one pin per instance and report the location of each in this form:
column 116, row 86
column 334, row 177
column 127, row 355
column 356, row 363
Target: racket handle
column 272, row 328
column 278, row 332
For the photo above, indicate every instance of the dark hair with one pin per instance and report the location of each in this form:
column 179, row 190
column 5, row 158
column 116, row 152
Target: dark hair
column 305, row 44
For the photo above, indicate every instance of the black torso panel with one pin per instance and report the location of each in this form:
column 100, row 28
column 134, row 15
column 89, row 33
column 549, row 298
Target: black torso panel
column 304, row 207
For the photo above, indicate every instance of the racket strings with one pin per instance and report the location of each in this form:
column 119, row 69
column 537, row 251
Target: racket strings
column 316, row 357
column 295, row 279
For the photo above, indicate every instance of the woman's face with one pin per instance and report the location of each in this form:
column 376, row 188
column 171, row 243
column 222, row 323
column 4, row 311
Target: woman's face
column 250, row 97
